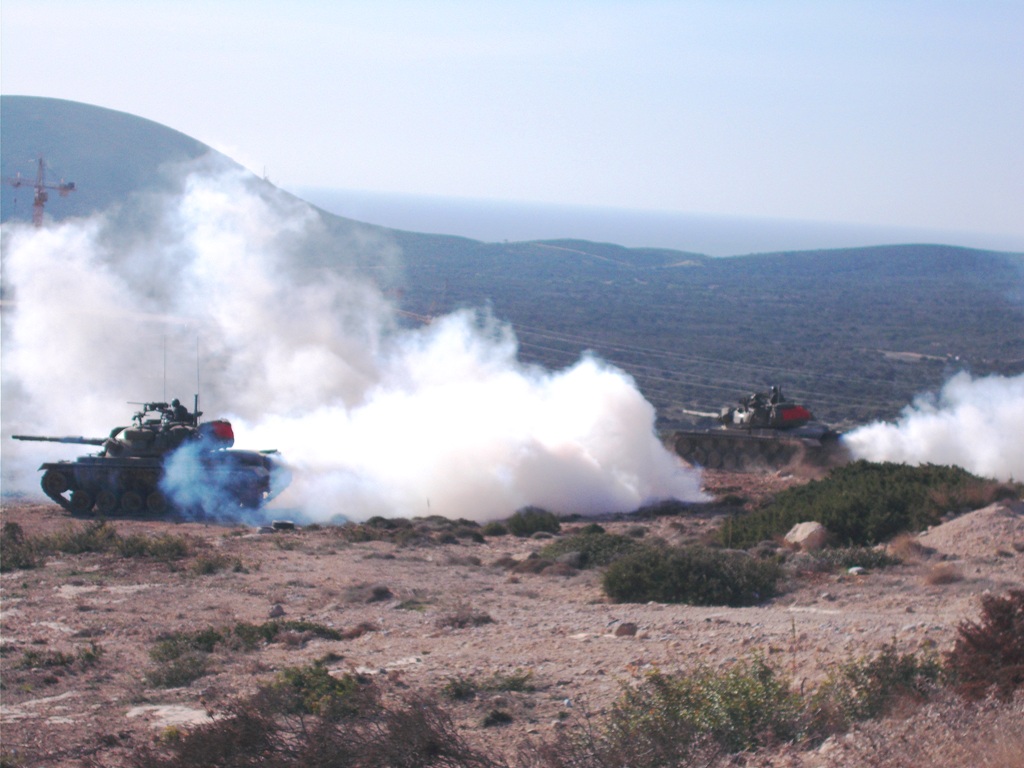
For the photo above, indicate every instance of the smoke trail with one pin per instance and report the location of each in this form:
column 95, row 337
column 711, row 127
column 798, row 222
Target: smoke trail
column 974, row 423
column 303, row 352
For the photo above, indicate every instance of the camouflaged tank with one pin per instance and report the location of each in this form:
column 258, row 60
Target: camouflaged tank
column 129, row 475
column 763, row 432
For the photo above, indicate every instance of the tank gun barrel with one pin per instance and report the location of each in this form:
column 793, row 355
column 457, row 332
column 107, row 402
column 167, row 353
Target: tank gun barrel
column 707, row 414
column 72, row 440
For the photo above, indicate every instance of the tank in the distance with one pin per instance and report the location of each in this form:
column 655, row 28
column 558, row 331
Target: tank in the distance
column 763, row 432
column 165, row 461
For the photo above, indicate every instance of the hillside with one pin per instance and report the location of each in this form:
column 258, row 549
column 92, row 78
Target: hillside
column 106, row 153
column 856, row 333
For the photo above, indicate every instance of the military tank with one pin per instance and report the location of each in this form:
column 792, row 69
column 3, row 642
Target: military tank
column 166, row 460
column 763, row 432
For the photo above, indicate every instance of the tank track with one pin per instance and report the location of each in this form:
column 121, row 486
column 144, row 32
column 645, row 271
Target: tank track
column 132, row 488
column 747, row 452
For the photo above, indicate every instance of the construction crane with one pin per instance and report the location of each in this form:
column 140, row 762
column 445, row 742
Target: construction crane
column 40, row 186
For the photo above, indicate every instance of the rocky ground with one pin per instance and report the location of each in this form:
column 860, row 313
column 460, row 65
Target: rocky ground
column 77, row 674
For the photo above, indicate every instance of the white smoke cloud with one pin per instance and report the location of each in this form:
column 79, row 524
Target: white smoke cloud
column 308, row 359
column 977, row 424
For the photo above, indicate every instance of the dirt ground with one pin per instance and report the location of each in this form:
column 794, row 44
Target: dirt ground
column 107, row 612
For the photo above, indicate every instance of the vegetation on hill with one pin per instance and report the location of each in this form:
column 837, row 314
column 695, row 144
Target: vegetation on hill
column 853, row 333
column 864, row 503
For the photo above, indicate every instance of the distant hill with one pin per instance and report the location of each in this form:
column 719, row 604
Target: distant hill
column 855, row 332
column 107, row 153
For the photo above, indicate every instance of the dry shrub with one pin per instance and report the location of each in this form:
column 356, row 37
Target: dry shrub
column 559, row 569
column 466, row 560
column 944, row 733
column 990, row 653
column 359, row 630
column 908, row 548
column 869, row 687
column 464, row 616
column 270, row 731
column 18, row 550
column 532, row 564
column 974, row 495
column 206, row 564
column 368, row 593
column 943, row 573
column 294, row 639
column 505, row 561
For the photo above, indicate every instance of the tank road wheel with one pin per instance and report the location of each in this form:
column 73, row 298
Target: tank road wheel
column 156, row 503
column 54, row 482
column 730, row 461
column 714, row 459
column 132, row 502
column 81, row 501
column 106, row 502
column 684, row 447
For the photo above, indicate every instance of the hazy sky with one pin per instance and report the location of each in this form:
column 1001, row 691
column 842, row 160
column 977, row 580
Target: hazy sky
column 907, row 113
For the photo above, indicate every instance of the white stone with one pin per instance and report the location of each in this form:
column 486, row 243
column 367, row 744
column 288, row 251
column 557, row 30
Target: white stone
column 807, row 537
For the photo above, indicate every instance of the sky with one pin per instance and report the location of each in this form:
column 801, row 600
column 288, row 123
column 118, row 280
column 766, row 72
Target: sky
column 904, row 114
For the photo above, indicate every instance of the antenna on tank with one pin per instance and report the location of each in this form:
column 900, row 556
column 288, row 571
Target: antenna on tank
column 165, row 367
column 195, row 406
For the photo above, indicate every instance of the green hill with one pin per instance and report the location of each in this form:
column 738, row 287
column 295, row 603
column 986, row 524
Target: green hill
column 856, row 333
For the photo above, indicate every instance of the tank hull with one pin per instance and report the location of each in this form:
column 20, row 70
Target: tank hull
column 219, row 482
column 758, row 450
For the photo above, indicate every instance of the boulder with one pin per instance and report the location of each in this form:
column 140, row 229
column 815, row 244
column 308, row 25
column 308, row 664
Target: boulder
column 807, row 537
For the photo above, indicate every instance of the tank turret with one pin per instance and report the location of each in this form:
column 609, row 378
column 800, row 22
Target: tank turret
column 765, row 410
column 165, row 459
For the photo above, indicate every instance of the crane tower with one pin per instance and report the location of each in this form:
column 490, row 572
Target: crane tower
column 40, row 185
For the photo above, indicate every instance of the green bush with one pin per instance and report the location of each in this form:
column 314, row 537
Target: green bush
column 252, row 635
column 596, row 547
column 206, row 564
column 97, row 536
column 460, row 688
column 494, row 528
column 182, row 657
column 530, row 520
column 178, row 672
column 740, row 707
column 33, row 659
column 311, row 689
column 867, row 687
column 519, row 680
column 17, row 550
column 693, row 575
column 864, row 503
column 176, row 644
column 83, row 657
column 463, row 688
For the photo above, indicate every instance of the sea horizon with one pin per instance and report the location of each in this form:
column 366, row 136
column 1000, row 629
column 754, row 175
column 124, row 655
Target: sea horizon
column 490, row 220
